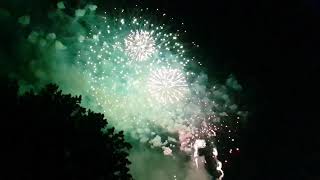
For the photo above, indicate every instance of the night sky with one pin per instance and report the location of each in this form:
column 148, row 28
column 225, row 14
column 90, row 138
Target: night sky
column 272, row 47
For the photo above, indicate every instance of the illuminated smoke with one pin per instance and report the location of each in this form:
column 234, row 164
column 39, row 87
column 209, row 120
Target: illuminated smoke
column 137, row 73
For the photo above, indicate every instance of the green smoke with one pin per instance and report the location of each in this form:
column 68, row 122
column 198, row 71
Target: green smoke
column 84, row 52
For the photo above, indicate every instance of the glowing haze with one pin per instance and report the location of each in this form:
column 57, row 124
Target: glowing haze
column 138, row 74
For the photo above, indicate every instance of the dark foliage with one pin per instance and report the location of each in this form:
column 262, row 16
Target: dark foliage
column 48, row 135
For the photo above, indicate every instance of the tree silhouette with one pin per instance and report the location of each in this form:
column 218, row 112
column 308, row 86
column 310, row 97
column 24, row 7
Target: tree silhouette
column 48, row 135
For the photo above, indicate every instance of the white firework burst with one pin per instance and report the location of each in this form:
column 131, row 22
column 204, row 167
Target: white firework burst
column 140, row 45
column 167, row 85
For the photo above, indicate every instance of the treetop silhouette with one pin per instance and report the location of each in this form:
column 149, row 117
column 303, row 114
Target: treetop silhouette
column 48, row 135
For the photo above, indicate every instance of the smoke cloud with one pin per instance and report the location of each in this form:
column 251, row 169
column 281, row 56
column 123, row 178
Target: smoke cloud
column 54, row 43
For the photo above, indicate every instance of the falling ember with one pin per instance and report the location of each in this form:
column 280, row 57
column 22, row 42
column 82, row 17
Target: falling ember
column 219, row 164
column 199, row 143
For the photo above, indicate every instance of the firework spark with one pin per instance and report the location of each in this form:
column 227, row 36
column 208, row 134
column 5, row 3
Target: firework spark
column 140, row 45
column 219, row 164
column 199, row 143
column 129, row 93
column 136, row 71
column 167, row 85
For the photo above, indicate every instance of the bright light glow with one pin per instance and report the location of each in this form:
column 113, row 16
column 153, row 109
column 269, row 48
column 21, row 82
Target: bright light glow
column 167, row 85
column 140, row 45
column 219, row 164
column 135, row 72
column 199, row 143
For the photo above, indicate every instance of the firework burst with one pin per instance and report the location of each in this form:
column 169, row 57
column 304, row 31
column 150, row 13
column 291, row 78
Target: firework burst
column 135, row 71
column 167, row 85
column 138, row 77
column 140, row 45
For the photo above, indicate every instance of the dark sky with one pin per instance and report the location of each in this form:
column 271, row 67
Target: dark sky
column 272, row 47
